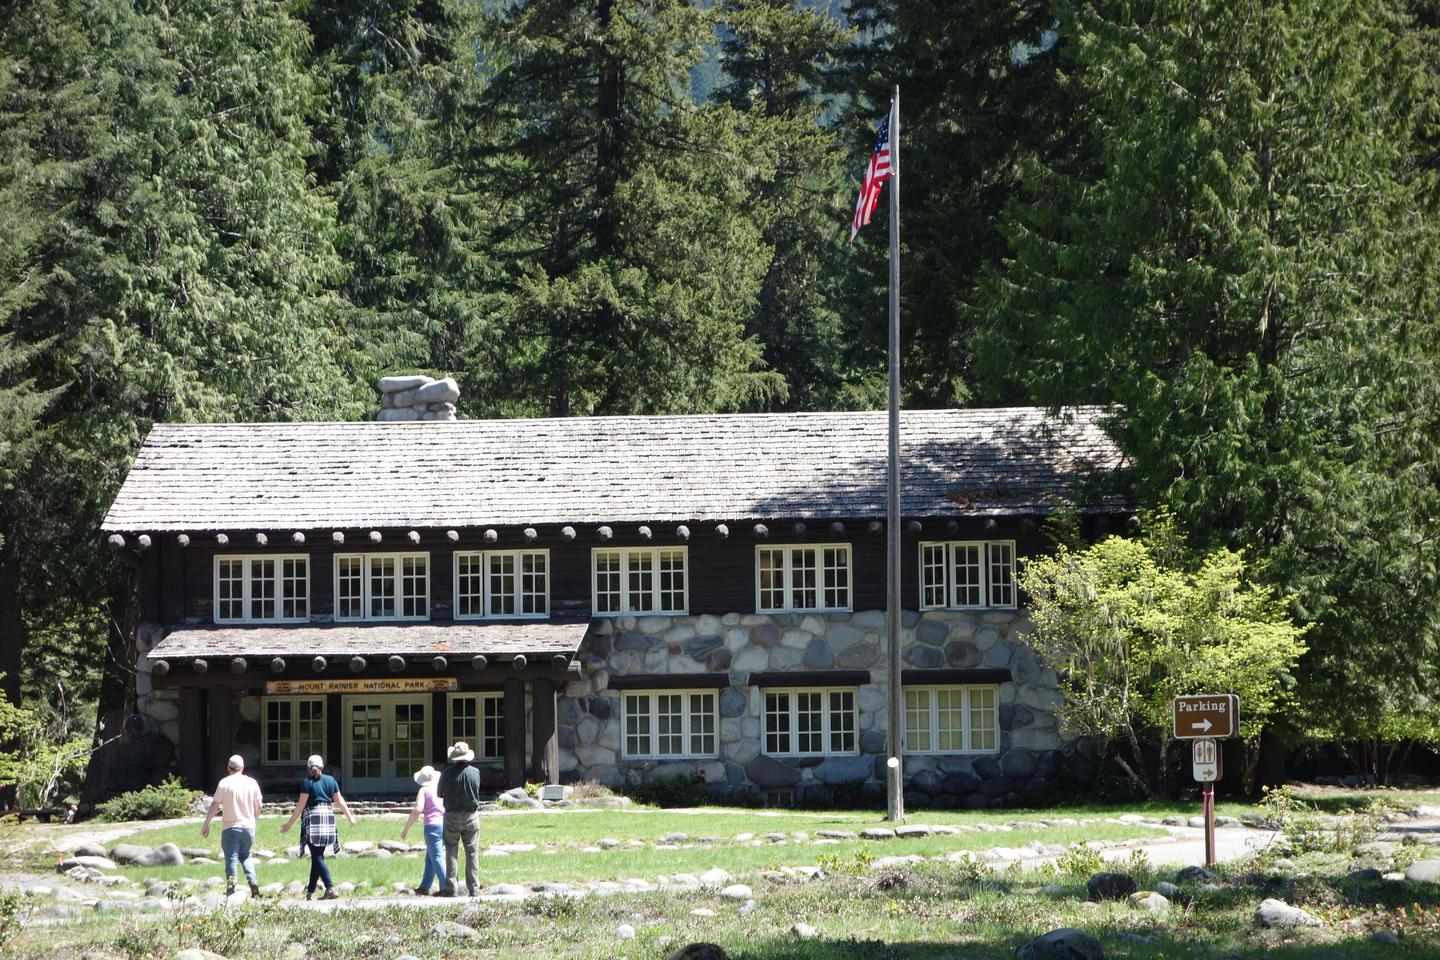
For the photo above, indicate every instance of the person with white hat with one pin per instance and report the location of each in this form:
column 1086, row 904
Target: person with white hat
column 319, row 795
column 429, row 805
column 238, row 795
column 459, row 789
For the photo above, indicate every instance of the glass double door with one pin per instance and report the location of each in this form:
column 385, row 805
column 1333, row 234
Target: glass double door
column 387, row 738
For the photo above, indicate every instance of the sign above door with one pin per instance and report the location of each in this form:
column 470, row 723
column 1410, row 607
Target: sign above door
column 365, row 685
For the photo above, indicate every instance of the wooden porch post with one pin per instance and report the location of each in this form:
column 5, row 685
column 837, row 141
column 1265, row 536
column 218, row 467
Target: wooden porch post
column 222, row 733
column 191, row 749
column 546, row 750
column 514, row 732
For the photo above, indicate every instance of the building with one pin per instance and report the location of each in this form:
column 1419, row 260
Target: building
column 609, row 598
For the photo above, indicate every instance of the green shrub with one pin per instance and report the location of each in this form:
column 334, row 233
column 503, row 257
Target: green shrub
column 590, row 790
column 162, row 801
column 673, row 791
column 1307, row 830
column 9, row 916
column 1080, row 861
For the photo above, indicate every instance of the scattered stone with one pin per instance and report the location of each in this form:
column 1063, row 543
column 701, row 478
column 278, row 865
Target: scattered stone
column 836, row 834
column 714, row 877
column 451, row 930
column 357, row 846
column 1150, row 901
column 1110, row 886
column 85, row 848
column 1388, row 937
column 394, row 846
column 87, row 861
column 913, row 830
column 624, row 932
column 702, row 912
column 804, row 931
column 737, row 891
column 1364, row 875
column 605, row 843
column 877, row 833
column 1168, row 890
column 1194, row 875
column 1423, row 871
column 1062, row 944
column 1278, row 913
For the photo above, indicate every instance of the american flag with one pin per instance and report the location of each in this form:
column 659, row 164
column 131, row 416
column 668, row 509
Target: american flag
column 875, row 176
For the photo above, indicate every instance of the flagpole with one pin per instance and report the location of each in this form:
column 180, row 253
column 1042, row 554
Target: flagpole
column 895, row 807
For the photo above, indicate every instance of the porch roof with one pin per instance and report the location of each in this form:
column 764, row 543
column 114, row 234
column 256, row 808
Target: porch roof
column 368, row 640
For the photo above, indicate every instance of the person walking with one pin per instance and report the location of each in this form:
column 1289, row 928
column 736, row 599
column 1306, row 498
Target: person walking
column 238, row 796
column 429, row 806
column 459, row 790
column 319, row 795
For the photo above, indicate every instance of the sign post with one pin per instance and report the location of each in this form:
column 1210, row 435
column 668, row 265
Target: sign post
column 1205, row 719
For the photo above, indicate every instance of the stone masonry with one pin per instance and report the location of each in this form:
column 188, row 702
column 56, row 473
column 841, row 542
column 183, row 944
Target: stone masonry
column 1032, row 751
column 417, row 398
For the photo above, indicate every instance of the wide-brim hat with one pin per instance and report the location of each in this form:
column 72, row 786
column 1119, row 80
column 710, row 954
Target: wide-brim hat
column 424, row 775
column 461, row 752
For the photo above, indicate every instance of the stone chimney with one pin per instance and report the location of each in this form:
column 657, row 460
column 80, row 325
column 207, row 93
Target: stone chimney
column 417, row 398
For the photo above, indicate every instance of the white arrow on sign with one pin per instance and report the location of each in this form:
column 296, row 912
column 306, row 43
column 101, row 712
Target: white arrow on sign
column 1203, row 725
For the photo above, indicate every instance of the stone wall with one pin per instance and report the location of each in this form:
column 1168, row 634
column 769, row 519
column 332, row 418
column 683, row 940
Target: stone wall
column 160, row 707
column 1033, row 757
column 417, row 398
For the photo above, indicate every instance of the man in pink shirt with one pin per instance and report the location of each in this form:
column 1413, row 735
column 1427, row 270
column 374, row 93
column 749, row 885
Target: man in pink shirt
column 239, row 797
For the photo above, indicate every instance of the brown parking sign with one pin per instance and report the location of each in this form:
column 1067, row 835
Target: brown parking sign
column 1207, row 715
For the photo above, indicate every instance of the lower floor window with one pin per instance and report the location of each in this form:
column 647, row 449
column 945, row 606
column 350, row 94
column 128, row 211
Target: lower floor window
column 670, row 723
column 294, row 728
column 479, row 720
column 816, row 722
column 952, row 719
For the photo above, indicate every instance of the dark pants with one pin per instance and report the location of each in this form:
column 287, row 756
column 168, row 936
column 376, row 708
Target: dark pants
column 461, row 829
column 318, row 869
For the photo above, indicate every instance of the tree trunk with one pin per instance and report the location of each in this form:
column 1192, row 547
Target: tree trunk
column 116, row 682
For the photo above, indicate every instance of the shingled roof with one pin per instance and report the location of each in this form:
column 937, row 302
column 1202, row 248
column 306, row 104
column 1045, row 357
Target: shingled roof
column 344, row 640
column 257, row 476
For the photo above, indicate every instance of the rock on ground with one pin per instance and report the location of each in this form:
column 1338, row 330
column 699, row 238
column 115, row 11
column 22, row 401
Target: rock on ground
column 736, row 891
column 1278, row 913
column 450, row 930
column 1422, row 871
column 624, row 932
column 804, row 931
column 1062, row 944
column 1110, row 886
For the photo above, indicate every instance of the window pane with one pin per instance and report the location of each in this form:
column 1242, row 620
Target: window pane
column 702, row 724
column 836, row 562
column 772, row 578
column 984, row 719
column 842, row 721
column 777, row 723
column 809, row 722
column 468, row 586
column 295, row 588
column 1002, row 574
column 917, row 721
column 492, row 741
column 607, row 581
column 968, row 575
column 932, row 575
column 230, row 593
column 803, row 593
column 464, row 725
column 309, row 728
column 382, row 586
column 347, row 588
column 415, row 586
column 669, row 725
column 949, row 720
column 637, row 725
column 278, row 731
column 640, row 589
column 672, row 581
column 262, row 589
column 534, row 584
column 502, row 585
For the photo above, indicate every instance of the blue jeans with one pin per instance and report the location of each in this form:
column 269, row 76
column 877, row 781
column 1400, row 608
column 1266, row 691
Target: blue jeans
column 236, row 842
column 434, row 857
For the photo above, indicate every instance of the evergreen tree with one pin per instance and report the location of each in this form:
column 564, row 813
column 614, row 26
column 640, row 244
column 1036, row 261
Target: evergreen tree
column 773, row 60
column 1250, row 272
column 980, row 95
column 634, row 251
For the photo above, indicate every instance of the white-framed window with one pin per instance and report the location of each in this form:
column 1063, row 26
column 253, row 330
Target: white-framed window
column 805, row 577
column 670, row 723
column 256, row 589
column 294, row 728
column 810, row 722
column 952, row 719
column 639, row 580
column 479, row 720
column 382, row 586
column 502, row 583
column 967, row 574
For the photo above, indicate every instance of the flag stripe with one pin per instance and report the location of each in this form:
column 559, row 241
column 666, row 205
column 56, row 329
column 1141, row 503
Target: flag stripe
column 876, row 173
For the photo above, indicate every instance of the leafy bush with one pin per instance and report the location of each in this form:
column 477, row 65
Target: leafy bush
column 856, row 865
column 9, row 916
column 532, row 788
column 1080, row 861
column 45, row 751
column 969, row 869
column 159, row 802
column 673, row 791
column 590, row 790
column 1307, row 830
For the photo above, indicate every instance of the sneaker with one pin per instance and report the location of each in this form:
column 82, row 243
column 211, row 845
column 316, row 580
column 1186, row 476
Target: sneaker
column 421, row 892
column 229, row 889
column 330, row 894
column 309, row 894
column 446, row 893
column 255, row 890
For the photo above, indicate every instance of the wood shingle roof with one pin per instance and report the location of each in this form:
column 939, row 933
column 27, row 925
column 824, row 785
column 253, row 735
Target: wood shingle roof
column 370, row 640
column 311, row 476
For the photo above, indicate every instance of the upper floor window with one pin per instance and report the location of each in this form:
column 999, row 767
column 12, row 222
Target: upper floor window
column 670, row 723
column 510, row 583
column 268, row 588
column 967, row 574
column 382, row 586
column 639, row 580
column 810, row 722
column 794, row 578
column 952, row 719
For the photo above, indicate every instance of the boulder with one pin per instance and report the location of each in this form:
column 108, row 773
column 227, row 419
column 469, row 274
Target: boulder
column 396, row 384
column 89, row 862
column 818, row 655
column 737, row 891
column 766, row 772
column 624, row 932
column 1194, row 875
column 438, row 391
column 1423, row 871
column 1110, row 886
column 1278, row 913
column 1150, row 901
column 127, row 852
column 1062, row 944
column 452, row 930
column 804, row 931
column 1365, row 875
column 962, row 654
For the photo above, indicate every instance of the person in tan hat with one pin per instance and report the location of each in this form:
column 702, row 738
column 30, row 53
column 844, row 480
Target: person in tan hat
column 459, row 790
column 429, row 805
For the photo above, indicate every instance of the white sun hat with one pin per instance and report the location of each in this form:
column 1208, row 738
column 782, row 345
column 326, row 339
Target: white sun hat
column 425, row 774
